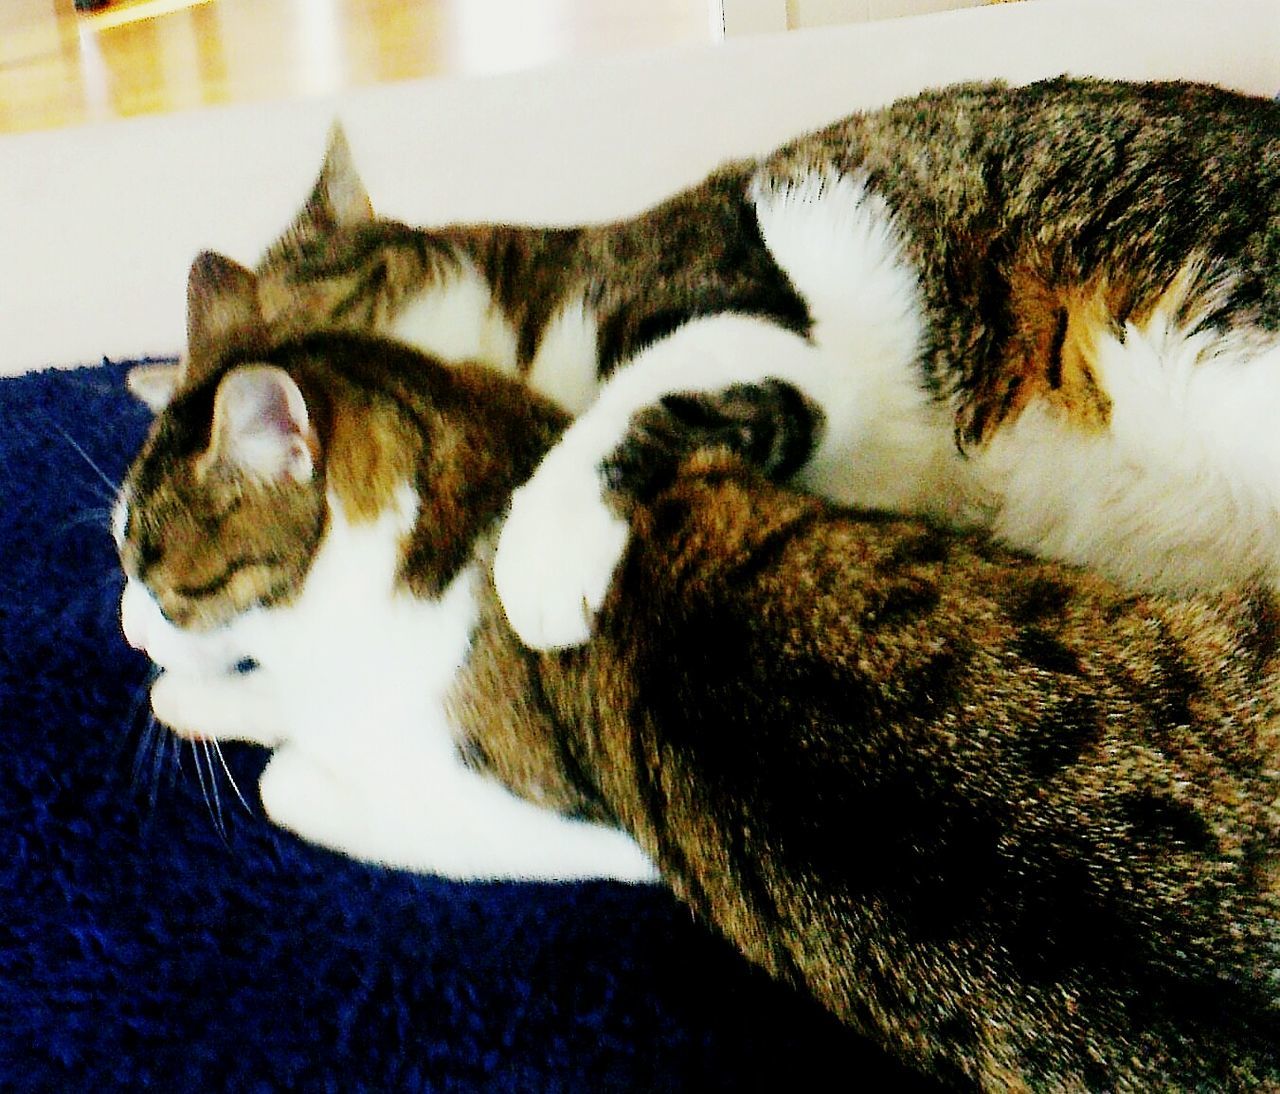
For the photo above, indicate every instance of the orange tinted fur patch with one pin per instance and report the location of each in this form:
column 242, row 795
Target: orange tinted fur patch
column 370, row 453
column 1049, row 355
column 1079, row 392
column 1052, row 351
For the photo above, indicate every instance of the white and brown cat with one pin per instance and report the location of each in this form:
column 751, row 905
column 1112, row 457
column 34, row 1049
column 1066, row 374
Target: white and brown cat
column 1053, row 311
column 1007, row 819
column 1011, row 820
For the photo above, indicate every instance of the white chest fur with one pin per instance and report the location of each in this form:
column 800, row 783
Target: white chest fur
column 458, row 320
column 1181, row 492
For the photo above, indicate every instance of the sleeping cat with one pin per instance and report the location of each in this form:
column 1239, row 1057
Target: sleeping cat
column 1053, row 311
column 1014, row 823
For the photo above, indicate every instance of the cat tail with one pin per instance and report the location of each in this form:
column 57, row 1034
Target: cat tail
column 886, row 442
column 838, row 243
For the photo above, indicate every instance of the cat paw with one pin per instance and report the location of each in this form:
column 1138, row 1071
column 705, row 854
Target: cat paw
column 304, row 798
column 556, row 555
column 382, row 817
column 769, row 424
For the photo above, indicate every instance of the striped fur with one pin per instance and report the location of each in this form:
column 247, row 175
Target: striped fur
column 1088, row 268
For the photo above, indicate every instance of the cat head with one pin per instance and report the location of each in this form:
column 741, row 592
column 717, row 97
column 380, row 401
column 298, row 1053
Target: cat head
column 293, row 288
column 224, row 503
column 263, row 443
column 338, row 265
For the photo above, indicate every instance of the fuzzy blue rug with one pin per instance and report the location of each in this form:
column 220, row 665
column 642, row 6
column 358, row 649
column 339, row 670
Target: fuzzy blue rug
column 154, row 936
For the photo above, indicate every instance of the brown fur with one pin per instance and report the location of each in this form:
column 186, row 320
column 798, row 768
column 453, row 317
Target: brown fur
column 1010, row 821
column 1013, row 823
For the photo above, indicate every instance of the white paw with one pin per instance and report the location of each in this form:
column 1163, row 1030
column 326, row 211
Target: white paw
column 620, row 859
column 303, row 797
column 556, row 555
column 375, row 819
column 448, row 821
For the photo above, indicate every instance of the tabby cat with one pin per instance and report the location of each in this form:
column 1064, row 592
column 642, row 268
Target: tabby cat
column 1013, row 822
column 1053, row 311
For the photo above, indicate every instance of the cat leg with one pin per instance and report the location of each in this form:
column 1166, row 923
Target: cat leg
column 770, row 425
column 562, row 539
column 887, row 441
column 452, row 822
column 222, row 707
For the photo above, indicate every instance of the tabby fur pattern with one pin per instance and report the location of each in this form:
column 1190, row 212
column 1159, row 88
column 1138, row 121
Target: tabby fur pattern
column 1012, row 821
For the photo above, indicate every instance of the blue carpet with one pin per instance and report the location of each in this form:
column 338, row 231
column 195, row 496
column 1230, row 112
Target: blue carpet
column 146, row 945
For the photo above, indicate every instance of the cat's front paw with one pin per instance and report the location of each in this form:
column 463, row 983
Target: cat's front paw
column 305, row 798
column 769, row 424
column 556, row 555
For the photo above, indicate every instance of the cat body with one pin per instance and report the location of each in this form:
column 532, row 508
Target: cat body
column 1053, row 311
column 1011, row 821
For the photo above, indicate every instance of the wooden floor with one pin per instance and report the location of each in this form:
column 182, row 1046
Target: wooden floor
column 60, row 68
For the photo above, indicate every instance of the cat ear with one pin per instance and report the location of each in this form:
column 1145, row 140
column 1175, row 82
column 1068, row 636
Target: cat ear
column 261, row 425
column 154, row 384
column 338, row 193
column 338, row 197
column 222, row 307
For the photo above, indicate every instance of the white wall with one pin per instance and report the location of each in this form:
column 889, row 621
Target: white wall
column 98, row 225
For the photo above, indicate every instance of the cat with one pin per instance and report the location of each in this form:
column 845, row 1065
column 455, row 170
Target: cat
column 1010, row 820
column 218, row 521
column 1052, row 311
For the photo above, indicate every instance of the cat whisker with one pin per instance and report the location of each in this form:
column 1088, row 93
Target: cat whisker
column 175, row 747
column 208, row 788
column 148, row 765
column 146, row 743
column 140, row 693
column 213, row 786
column 217, row 749
column 97, row 517
column 157, row 763
column 148, row 760
column 113, row 488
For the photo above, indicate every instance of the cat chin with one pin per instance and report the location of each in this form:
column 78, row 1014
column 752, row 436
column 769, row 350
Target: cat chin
column 220, row 707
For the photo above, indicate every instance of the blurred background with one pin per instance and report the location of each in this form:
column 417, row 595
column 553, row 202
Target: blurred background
column 60, row 66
